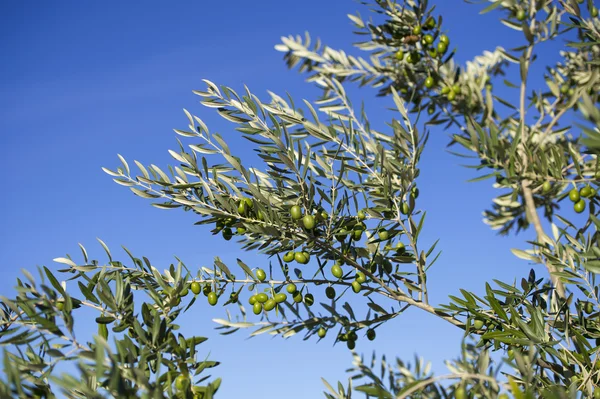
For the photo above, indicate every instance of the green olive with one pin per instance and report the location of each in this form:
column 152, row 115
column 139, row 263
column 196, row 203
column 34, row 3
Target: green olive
column 451, row 96
column 261, row 298
column 597, row 390
column 181, row 382
column 431, row 109
column 503, row 396
column 416, row 30
column 405, row 208
column 288, row 257
column 309, row 299
column 357, row 235
column 337, row 272
column 291, row 288
column 445, row 90
column 103, row 330
column 206, row 289
column 399, row 55
column 360, row 277
column 330, row 292
column 383, row 235
column 296, row 212
column 444, row 39
column 249, row 203
column 574, row 195
column 270, row 305
column 400, row 248
column 594, row 14
column 478, row 324
column 257, row 308
column 241, row 230
column 184, row 292
column 430, row 23
column 322, row 332
column 588, row 307
column 585, row 191
column 261, row 275
column 280, row 297
column 361, row 215
column 429, row 82
column 521, row 15
column 309, row 222
column 579, row 206
column 252, row 300
column 441, row 48
column 460, row 393
column 195, row 287
column 546, row 187
column 356, row 287
column 242, row 207
column 212, row 299
column 297, row 297
column 428, row 39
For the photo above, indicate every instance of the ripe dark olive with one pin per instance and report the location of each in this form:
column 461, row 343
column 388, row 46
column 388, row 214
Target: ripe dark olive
column 588, row 308
column 337, row 272
column 360, row 277
column 478, row 324
column 309, row 299
column 585, row 191
column 297, row 297
column 399, row 55
column 521, row 15
column 261, row 275
column 356, row 286
column 270, row 305
column 361, row 215
column 429, row 82
column 441, row 47
column 241, row 230
column 351, row 344
column 252, row 300
column 262, row 297
column 257, row 308
column 291, row 288
column 296, row 212
column 195, row 287
column 227, row 234
column 371, row 334
column 281, row 297
column 579, row 206
column 546, row 187
column 181, row 382
column 330, row 292
column 574, row 195
column 322, row 332
column 309, row 222
column 416, row 30
column 288, row 257
column 212, row 299
column 383, row 235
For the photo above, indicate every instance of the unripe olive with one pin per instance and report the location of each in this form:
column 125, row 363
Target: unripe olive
column 261, row 298
column 521, row 15
column 212, row 299
column 181, row 382
column 441, row 47
column 404, row 208
column 288, row 257
column 252, row 300
column 297, row 296
column 416, row 30
column 383, row 235
column 291, row 288
column 360, row 277
column 103, row 330
column 296, row 212
column 257, row 308
column 451, row 96
column 579, row 206
column 242, row 207
column 351, row 344
column 309, row 222
column 585, row 191
column 270, row 305
column 361, row 215
column 309, row 299
column 460, row 393
column 546, row 187
column 588, row 307
column 261, row 275
column 241, row 230
column 337, row 272
column 478, row 324
column 444, row 39
column 428, row 39
column 280, row 297
column 371, row 334
column 356, row 286
column 322, row 332
column 399, row 55
column 227, row 234
column 574, row 195
column 195, row 287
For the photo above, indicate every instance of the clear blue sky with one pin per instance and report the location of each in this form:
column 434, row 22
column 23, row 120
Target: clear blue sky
column 83, row 81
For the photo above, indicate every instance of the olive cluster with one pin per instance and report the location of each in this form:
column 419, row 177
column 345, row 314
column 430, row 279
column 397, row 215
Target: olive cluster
column 578, row 197
column 416, row 43
column 245, row 207
column 350, row 337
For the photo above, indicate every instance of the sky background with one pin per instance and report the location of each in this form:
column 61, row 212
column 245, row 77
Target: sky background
column 83, row 81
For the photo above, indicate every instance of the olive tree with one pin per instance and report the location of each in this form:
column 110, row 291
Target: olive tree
column 334, row 207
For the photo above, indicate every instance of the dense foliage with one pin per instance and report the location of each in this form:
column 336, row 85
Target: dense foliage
column 335, row 207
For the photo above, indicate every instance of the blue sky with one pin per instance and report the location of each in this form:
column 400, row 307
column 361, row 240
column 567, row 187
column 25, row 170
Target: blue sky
column 83, row 81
